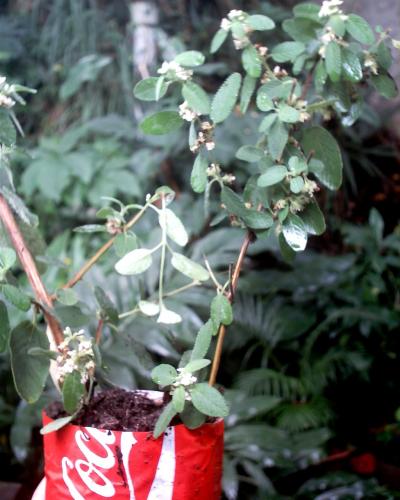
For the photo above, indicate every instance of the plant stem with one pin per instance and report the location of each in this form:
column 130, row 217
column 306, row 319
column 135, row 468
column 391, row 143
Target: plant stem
column 90, row 263
column 30, row 269
column 231, row 296
column 163, row 251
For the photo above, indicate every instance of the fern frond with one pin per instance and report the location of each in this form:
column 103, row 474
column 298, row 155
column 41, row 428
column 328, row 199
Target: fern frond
column 267, row 381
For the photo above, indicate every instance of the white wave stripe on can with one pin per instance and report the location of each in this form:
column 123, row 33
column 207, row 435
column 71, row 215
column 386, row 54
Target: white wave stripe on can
column 127, row 441
column 163, row 484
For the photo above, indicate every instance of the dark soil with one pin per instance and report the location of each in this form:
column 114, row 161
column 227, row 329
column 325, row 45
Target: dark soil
column 116, row 410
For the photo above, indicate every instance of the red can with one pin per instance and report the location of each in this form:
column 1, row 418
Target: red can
column 85, row 463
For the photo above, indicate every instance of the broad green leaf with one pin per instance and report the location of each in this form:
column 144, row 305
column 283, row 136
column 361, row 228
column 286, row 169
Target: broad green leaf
column 29, row 372
column 208, row 400
column 67, row 296
column 377, row 223
column 196, row 365
column 295, row 233
column 272, row 176
column 8, row 257
column 267, row 122
column 44, row 353
column 135, row 262
column 277, row 139
column 203, row 340
column 287, row 51
column 320, row 76
column 4, row 327
column 384, row 56
column 221, row 310
column 264, row 101
column 189, row 268
column 325, row 149
column 164, row 419
column 145, row 90
column 251, row 61
column 300, row 29
column 351, row 66
column 16, row 297
column 249, row 153
column 198, row 178
column 174, row 227
column 161, row 123
column 313, row 219
column 178, row 399
column 337, row 24
column 297, row 165
column 55, row 425
column 385, row 85
column 164, row 375
column 124, row 243
column 8, row 134
column 248, row 87
column 307, row 10
column 159, row 87
column 333, row 61
column 359, row 29
column 72, row 316
column 281, row 88
column 218, row 39
column 251, row 217
column 109, row 312
column 288, row 114
column 287, row 252
column 196, row 98
column 191, row 417
column 72, row 392
column 148, row 308
column 296, row 184
column 260, row 23
column 190, row 58
column 225, row 98
column 168, row 317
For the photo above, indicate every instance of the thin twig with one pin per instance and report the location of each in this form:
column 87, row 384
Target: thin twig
column 307, row 83
column 30, row 269
column 99, row 331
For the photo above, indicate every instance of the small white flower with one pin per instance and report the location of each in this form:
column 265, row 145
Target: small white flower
column 240, row 43
column 370, row 62
column 237, row 15
column 185, row 378
column 6, row 102
column 174, row 70
column 187, row 113
column 225, row 24
column 262, row 50
column 330, row 7
column 210, row 145
column 328, row 36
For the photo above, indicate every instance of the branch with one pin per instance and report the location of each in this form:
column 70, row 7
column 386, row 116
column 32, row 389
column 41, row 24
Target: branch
column 308, row 81
column 30, row 269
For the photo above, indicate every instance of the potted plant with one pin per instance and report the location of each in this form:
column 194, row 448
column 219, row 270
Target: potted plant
column 169, row 444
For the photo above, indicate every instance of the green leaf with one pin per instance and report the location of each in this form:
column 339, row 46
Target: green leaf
column 251, row 61
column 189, row 268
column 300, row 29
column 198, row 178
column 221, row 310
column 174, row 227
column 385, row 85
column 29, row 372
column 208, row 400
column 359, row 29
column 178, row 399
column 8, row 257
column 267, row 122
column 164, row 419
column 148, row 308
column 296, row 184
column 384, row 56
column 259, row 22
column 351, row 66
column 8, row 134
column 236, row 206
column 190, row 58
column 337, row 24
column 164, row 375
column 248, row 87
column 264, row 101
column 124, row 243
column 4, row 327
column 313, row 219
column 295, row 232
column 287, row 252
column 249, row 153
column 203, row 340
column 135, row 262
column 307, row 10
column 191, row 417
column 196, row 98
column 277, row 139
column 145, row 90
column 225, row 98
column 72, row 316
column 55, row 425
column 196, row 365
column 72, row 392
column 287, row 51
column 44, row 353
column 272, row 176
column 320, row 76
column 218, row 39
column 288, row 114
column 161, row 123
column 16, row 297
column 109, row 312
column 333, row 61
column 325, row 149
column 67, row 296
column 159, row 87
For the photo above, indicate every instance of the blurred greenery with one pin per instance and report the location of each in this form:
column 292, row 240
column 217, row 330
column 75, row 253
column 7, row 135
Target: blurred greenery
column 311, row 361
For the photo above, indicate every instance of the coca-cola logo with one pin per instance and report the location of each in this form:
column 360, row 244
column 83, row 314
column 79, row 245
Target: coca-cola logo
column 95, row 469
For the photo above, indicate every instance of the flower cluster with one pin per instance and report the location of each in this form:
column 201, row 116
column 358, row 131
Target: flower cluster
column 186, row 112
column 174, row 71
column 185, row 379
column 76, row 354
column 204, row 137
column 330, row 8
column 370, row 63
column 6, row 91
column 237, row 16
column 327, row 37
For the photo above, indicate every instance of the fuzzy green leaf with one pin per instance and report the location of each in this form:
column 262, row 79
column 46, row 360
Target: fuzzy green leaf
column 72, row 392
column 164, row 419
column 307, row 10
column 145, row 90
column 178, row 399
column 198, row 178
column 208, row 400
column 251, row 61
column 352, row 68
column 203, row 340
column 196, row 98
column 295, row 232
column 277, row 139
column 109, row 312
column 218, row 39
column 55, row 425
column 124, row 243
column 272, row 176
column 67, row 296
column 313, row 219
column 333, row 61
column 385, row 85
column 296, row 184
column 221, row 310
column 8, row 134
column 260, row 23
column 359, row 29
column 189, row 268
column 225, row 98
column 164, row 374
column 161, row 123
column 287, row 51
column 135, row 262
column 288, row 114
column 190, row 58
column 4, row 327
column 248, row 87
column 249, row 153
column 196, row 365
column 174, row 227
column 16, row 297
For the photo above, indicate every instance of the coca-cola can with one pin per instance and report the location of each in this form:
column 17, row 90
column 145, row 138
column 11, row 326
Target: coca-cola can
column 85, row 463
